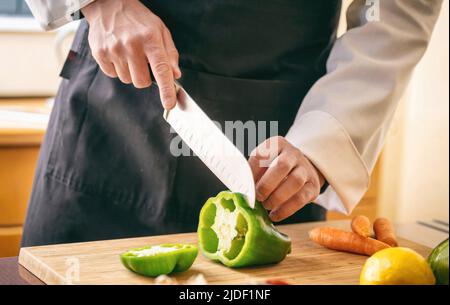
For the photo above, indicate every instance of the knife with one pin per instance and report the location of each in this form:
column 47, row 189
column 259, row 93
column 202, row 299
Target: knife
column 209, row 143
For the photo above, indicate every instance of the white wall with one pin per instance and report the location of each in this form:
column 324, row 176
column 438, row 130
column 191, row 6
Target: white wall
column 415, row 160
column 29, row 57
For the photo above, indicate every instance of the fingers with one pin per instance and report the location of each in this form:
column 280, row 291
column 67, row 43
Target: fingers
column 172, row 53
column 275, row 174
column 105, row 65
column 307, row 194
column 123, row 71
column 257, row 170
column 285, row 178
column 116, row 54
column 263, row 155
column 140, row 74
column 162, row 71
column 288, row 188
column 130, row 44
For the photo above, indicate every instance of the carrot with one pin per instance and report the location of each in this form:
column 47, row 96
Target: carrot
column 346, row 241
column 361, row 225
column 384, row 231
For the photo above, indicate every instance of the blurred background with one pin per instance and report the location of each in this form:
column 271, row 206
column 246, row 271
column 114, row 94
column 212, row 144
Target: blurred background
column 410, row 183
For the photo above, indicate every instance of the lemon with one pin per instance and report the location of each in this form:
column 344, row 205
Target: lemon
column 396, row 266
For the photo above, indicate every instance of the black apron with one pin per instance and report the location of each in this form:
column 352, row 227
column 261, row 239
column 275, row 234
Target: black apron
column 105, row 170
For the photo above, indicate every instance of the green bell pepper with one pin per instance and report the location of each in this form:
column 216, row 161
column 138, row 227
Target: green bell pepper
column 231, row 232
column 160, row 259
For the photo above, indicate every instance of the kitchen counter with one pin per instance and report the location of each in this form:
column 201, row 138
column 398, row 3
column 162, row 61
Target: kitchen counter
column 23, row 122
column 11, row 273
column 433, row 232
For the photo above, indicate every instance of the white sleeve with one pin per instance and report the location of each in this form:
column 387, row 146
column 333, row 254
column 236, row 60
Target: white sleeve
column 52, row 14
column 343, row 120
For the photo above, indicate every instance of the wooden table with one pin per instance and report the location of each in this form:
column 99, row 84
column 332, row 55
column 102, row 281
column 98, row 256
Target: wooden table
column 12, row 273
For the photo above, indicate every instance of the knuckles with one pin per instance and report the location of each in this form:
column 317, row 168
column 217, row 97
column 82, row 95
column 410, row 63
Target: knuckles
column 284, row 164
column 131, row 43
column 274, row 200
column 116, row 48
column 166, row 92
column 161, row 68
column 307, row 195
column 304, row 196
column 174, row 53
column 100, row 53
column 299, row 175
column 263, row 189
column 112, row 50
column 279, row 139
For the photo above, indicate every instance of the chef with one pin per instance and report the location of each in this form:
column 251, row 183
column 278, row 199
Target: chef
column 105, row 168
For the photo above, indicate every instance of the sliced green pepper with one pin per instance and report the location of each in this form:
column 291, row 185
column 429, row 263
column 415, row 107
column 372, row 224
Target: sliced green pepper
column 160, row 259
column 233, row 233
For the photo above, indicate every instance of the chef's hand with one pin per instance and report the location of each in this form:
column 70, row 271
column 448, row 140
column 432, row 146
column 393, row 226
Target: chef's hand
column 124, row 37
column 285, row 179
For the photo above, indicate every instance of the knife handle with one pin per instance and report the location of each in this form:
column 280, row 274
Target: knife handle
column 152, row 77
column 177, row 86
column 177, row 89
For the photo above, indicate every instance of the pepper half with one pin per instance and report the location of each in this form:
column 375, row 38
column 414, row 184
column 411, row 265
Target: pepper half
column 160, row 259
column 231, row 232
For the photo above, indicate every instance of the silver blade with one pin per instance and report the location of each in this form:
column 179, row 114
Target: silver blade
column 208, row 142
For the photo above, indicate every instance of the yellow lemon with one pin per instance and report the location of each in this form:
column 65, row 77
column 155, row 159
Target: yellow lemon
column 396, row 266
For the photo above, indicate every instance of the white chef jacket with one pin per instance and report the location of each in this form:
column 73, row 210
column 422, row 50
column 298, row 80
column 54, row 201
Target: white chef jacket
column 343, row 120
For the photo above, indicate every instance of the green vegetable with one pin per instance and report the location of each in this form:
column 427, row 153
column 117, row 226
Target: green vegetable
column 438, row 261
column 160, row 259
column 231, row 232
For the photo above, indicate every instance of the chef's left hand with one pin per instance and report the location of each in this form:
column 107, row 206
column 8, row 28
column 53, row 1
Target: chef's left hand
column 285, row 179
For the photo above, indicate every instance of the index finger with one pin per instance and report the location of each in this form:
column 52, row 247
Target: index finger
column 162, row 71
column 263, row 155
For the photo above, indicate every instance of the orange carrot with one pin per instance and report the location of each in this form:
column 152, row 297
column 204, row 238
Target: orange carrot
column 384, row 231
column 346, row 241
column 361, row 225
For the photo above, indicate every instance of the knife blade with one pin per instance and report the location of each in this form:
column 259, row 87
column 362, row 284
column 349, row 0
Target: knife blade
column 210, row 144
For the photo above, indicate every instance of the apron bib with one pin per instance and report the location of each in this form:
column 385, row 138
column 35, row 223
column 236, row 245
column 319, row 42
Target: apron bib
column 105, row 169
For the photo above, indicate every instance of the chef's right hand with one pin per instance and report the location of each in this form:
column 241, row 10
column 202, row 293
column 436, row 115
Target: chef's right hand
column 124, row 37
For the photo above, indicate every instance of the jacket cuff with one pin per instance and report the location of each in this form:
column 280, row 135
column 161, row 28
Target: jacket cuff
column 51, row 17
column 328, row 146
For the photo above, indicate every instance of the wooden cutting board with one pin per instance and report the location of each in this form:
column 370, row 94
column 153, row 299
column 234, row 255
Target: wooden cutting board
column 98, row 262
